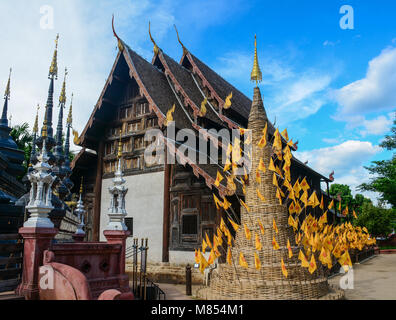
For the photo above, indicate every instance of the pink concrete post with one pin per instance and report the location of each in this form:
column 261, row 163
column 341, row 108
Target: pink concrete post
column 36, row 241
column 119, row 237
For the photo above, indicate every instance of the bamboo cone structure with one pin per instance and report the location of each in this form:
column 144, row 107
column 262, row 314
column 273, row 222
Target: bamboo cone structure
column 234, row 282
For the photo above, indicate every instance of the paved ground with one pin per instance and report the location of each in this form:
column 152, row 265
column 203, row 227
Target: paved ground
column 374, row 279
column 177, row 291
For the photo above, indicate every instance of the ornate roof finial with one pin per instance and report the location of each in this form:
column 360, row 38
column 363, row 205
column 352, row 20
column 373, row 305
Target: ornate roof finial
column 156, row 48
column 4, row 121
column 119, row 155
column 62, row 97
column 7, row 91
column 53, row 71
column 120, row 43
column 35, row 127
column 256, row 72
column 178, row 39
column 70, row 116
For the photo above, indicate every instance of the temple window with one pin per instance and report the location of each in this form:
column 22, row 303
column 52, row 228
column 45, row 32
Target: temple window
column 134, row 127
column 189, row 224
column 139, row 143
column 142, row 109
column 152, row 123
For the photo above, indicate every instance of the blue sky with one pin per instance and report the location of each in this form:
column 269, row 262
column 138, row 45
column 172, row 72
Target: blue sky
column 332, row 88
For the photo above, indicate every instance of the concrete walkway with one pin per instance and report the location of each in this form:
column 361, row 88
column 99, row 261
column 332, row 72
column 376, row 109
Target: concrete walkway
column 374, row 279
column 177, row 291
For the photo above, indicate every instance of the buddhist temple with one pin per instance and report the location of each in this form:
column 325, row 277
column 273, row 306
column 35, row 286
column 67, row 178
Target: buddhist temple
column 171, row 204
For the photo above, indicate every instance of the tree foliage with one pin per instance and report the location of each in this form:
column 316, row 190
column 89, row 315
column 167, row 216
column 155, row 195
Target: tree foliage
column 378, row 221
column 22, row 137
column 384, row 171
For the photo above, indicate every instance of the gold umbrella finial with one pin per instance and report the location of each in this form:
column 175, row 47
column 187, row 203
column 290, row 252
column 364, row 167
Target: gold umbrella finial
column 256, row 72
column 81, row 185
column 70, row 116
column 156, row 48
column 8, row 87
column 53, row 72
column 35, row 127
column 119, row 155
column 62, row 97
column 178, row 39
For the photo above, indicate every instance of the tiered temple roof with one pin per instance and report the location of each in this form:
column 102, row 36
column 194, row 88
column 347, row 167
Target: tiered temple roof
column 165, row 83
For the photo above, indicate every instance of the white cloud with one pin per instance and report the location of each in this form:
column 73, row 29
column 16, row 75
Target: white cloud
column 346, row 159
column 377, row 126
column 376, row 92
column 328, row 43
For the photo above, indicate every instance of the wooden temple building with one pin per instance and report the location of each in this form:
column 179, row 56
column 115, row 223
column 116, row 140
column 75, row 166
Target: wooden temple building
column 170, row 204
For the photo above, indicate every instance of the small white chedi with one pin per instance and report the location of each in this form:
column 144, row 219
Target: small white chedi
column 117, row 212
column 40, row 204
column 80, row 211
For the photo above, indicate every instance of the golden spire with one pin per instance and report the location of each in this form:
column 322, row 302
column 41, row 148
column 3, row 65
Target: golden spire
column 35, row 127
column 62, row 97
column 156, row 48
column 119, row 155
column 178, row 39
column 256, row 72
column 44, row 131
column 70, row 116
column 8, row 91
column 53, row 71
column 81, row 185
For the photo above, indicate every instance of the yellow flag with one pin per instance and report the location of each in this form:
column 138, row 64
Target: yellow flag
column 289, row 249
column 258, row 243
column 228, row 102
column 278, row 195
column 312, row 265
column 331, row 205
column 261, row 226
column 227, row 165
column 242, row 261
column 263, row 141
column 229, row 256
column 271, row 166
column 284, row 270
column 219, row 178
column 203, row 110
column 261, row 197
column 211, row 257
column 197, row 255
column 248, row 235
column 222, row 225
column 303, row 259
column 169, row 115
column 354, row 214
column 277, row 145
column 208, row 241
column 285, row 135
column 275, row 244
column 274, row 226
column 313, row 200
column 245, row 205
column 204, row 245
column 292, row 208
column 321, row 206
column 257, row 262
column 323, row 218
column 226, row 204
column 297, row 187
column 304, row 198
column 203, row 264
column 258, row 177
column 275, row 180
column 234, row 225
column 217, row 202
column 304, row 184
column 261, row 166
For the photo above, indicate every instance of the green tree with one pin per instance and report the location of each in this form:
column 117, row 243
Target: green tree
column 378, row 221
column 384, row 171
column 24, row 139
